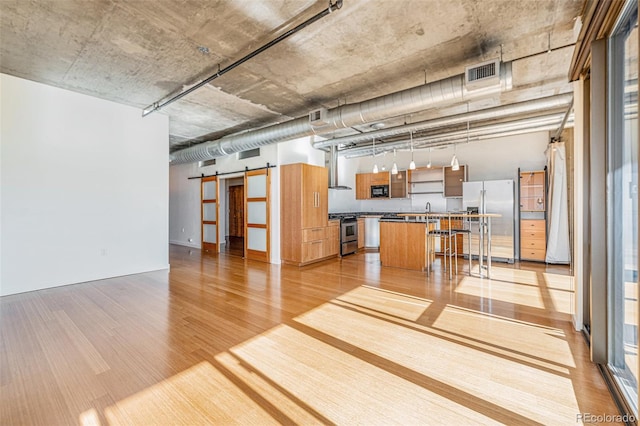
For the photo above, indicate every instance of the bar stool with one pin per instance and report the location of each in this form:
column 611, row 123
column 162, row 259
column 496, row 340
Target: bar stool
column 450, row 249
column 466, row 230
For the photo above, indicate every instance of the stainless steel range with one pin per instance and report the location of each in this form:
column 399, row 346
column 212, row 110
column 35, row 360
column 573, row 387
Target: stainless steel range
column 348, row 235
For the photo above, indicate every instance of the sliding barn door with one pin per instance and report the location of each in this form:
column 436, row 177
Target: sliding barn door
column 256, row 236
column 210, row 212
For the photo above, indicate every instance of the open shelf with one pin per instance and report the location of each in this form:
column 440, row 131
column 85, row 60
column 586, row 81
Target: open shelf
column 427, row 181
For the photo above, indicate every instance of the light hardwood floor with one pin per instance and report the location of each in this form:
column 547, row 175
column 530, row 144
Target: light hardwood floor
column 221, row 340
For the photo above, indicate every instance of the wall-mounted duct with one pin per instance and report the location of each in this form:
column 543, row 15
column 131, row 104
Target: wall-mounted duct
column 449, row 90
column 333, row 170
column 547, row 122
column 548, row 104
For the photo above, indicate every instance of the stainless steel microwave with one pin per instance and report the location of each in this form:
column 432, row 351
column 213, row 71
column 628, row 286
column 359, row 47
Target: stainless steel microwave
column 379, row 191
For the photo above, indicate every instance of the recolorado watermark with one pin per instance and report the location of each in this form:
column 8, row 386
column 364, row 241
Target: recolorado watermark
column 605, row 418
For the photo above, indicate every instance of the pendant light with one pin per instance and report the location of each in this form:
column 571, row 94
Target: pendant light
column 375, row 165
column 394, row 168
column 429, row 163
column 412, row 164
column 455, row 165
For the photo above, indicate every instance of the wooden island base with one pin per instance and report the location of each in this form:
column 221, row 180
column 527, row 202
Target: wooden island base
column 404, row 245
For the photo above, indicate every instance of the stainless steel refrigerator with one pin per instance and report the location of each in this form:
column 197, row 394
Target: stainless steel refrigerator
column 492, row 196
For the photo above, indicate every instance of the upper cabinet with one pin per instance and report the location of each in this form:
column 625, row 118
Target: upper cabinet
column 364, row 182
column 532, row 191
column 453, row 180
column 381, row 178
column 423, row 180
column 398, row 186
column 363, row 186
column 315, row 209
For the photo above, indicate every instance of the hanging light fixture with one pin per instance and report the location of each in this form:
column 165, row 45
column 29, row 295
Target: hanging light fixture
column 429, row 163
column 394, row 168
column 455, row 165
column 412, row 164
column 375, row 165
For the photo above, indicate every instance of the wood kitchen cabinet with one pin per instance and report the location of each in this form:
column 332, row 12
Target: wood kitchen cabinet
column 532, row 191
column 306, row 235
column 398, row 186
column 453, row 180
column 533, row 239
column 364, row 181
column 363, row 186
column 331, row 243
column 380, row 178
column 533, row 220
column 360, row 233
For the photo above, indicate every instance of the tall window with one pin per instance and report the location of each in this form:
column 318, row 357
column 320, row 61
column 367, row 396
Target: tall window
column 623, row 206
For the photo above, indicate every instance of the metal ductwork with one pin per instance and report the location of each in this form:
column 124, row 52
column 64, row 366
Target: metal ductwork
column 333, row 169
column 547, row 122
column 551, row 103
column 449, row 90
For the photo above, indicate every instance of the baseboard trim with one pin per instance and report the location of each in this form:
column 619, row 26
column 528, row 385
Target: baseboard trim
column 185, row 244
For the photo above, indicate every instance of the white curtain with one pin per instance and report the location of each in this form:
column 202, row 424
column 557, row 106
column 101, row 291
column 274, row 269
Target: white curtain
column 558, row 249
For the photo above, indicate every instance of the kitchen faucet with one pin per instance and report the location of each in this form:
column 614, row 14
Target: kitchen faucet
column 428, row 207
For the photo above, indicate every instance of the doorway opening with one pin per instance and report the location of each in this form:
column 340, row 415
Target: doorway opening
column 234, row 231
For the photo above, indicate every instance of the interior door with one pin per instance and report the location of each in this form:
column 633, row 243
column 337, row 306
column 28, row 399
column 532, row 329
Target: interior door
column 256, row 243
column 236, row 211
column 210, row 209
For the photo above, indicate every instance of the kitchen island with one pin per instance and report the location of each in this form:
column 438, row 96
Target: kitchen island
column 403, row 243
column 406, row 240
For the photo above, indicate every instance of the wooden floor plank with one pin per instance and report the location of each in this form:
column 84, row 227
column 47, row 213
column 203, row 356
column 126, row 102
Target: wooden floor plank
column 221, row 340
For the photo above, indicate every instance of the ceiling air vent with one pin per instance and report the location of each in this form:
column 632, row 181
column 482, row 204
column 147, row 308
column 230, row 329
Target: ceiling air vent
column 318, row 117
column 482, row 75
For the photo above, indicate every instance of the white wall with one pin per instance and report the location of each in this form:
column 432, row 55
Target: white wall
column 83, row 188
column 486, row 160
column 490, row 159
column 184, row 206
column 184, row 200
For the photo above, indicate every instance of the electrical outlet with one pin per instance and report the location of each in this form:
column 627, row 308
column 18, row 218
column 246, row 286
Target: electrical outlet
column 182, row 229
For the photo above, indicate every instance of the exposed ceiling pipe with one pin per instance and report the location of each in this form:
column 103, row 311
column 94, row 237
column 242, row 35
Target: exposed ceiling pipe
column 333, row 169
column 549, row 103
column 564, row 121
column 483, row 132
column 164, row 102
column 396, row 104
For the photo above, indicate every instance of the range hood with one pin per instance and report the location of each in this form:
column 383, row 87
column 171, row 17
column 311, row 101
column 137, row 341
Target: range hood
column 333, row 170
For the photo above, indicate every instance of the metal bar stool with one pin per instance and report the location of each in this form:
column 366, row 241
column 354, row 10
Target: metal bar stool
column 448, row 237
column 466, row 230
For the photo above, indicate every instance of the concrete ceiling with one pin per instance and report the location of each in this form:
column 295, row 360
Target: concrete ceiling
column 137, row 52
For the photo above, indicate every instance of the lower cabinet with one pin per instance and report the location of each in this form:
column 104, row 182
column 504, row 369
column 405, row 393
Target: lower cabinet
column 360, row 233
column 533, row 239
column 320, row 243
column 331, row 244
column 311, row 251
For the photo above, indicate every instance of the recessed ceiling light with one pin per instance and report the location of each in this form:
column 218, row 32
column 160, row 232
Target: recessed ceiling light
column 377, row 126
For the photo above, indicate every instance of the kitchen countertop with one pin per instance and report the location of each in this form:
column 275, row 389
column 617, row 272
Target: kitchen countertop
column 369, row 214
column 451, row 214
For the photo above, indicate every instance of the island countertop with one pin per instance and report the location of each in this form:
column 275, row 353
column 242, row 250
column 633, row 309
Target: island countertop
column 452, row 214
column 403, row 243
